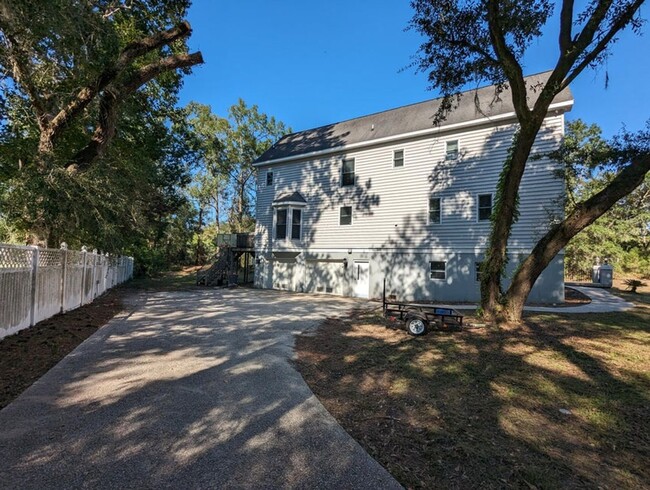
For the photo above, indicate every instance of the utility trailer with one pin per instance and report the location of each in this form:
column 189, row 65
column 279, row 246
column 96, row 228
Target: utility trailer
column 418, row 317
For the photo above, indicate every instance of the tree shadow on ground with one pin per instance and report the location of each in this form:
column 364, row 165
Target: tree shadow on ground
column 192, row 390
column 481, row 408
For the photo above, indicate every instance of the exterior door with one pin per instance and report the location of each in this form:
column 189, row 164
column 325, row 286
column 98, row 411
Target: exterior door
column 362, row 279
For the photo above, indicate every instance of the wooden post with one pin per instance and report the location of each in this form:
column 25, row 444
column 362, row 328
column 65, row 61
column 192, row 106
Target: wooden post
column 32, row 308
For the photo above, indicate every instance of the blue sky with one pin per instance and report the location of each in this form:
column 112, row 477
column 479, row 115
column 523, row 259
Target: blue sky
column 314, row 63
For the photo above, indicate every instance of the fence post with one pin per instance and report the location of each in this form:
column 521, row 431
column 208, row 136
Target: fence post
column 92, row 284
column 32, row 307
column 64, row 272
column 84, row 250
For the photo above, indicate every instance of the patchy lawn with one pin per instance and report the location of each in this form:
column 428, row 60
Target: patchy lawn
column 30, row 353
column 560, row 402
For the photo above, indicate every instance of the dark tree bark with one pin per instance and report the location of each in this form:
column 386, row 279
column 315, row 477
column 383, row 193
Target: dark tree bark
column 575, row 56
column 584, row 214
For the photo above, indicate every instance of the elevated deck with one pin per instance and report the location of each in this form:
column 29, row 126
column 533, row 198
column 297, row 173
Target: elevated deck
column 240, row 242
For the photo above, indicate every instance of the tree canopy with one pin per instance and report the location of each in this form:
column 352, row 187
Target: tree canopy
column 92, row 147
column 474, row 41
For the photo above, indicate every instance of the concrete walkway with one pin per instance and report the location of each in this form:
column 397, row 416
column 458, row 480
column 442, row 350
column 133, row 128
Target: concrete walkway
column 602, row 301
column 191, row 390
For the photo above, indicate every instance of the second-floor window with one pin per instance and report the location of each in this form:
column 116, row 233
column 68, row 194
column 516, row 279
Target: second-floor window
column 281, row 224
column 296, row 223
column 477, row 270
column 451, row 150
column 269, row 178
column 484, row 207
column 347, row 172
column 398, row 158
column 435, row 212
column 345, row 217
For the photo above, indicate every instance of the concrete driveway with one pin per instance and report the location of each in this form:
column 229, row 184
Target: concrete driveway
column 193, row 389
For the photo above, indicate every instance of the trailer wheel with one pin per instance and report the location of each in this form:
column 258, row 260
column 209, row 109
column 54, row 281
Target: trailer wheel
column 416, row 326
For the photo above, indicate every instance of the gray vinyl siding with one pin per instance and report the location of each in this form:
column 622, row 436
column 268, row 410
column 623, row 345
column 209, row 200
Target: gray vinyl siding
column 390, row 205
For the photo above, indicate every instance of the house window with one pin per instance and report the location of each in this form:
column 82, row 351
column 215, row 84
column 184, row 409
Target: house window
column 484, row 207
column 281, row 224
column 477, row 269
column 296, row 220
column 434, row 210
column 269, row 178
column 398, row 158
column 438, row 270
column 346, row 215
column 451, row 153
column 347, row 172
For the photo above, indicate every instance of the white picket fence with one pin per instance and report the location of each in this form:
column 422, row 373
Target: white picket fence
column 37, row 283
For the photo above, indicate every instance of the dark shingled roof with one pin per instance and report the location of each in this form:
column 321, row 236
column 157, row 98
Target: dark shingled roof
column 295, row 197
column 402, row 120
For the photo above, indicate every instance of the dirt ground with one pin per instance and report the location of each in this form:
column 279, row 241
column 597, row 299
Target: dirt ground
column 30, row 353
column 559, row 402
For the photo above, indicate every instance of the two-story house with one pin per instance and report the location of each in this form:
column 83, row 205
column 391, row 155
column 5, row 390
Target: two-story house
column 392, row 196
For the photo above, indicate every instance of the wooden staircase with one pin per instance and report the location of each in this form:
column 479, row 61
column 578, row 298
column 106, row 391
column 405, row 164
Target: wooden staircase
column 223, row 266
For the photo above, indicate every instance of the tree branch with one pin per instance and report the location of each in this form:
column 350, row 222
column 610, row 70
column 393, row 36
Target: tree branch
column 110, row 100
column 511, row 66
column 580, row 218
column 601, row 46
column 86, row 95
column 566, row 24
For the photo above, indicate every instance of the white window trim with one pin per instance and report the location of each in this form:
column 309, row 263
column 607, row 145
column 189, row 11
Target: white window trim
column 266, row 177
column 438, row 278
column 457, row 140
column 289, row 209
column 290, row 235
column 429, row 222
column 403, row 157
column 275, row 223
column 477, row 205
column 351, row 215
column 354, row 175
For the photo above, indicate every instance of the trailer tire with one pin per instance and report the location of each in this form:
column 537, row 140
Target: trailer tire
column 416, row 325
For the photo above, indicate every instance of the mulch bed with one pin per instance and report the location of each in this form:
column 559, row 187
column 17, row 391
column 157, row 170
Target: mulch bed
column 30, row 353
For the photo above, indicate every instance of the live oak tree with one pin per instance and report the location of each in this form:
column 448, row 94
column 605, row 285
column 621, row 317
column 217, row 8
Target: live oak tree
column 82, row 83
column 485, row 40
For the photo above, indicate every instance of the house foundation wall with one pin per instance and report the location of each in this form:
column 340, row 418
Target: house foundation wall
column 407, row 274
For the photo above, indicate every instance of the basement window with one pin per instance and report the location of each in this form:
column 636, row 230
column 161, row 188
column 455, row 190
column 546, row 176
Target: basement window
column 438, row 270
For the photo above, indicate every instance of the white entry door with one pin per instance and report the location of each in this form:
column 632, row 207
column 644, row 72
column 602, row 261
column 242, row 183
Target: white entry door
column 362, row 279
